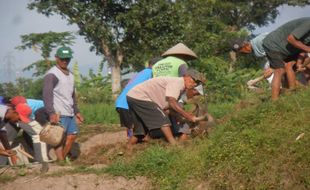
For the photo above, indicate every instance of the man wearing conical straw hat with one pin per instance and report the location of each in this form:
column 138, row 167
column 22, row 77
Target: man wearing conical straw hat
column 174, row 65
column 174, row 62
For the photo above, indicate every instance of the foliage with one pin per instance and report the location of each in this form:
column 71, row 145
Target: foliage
column 30, row 88
column 225, row 86
column 95, row 89
column 40, row 67
column 130, row 32
column 44, row 43
column 256, row 148
column 8, row 89
column 25, row 87
column 123, row 31
column 76, row 73
column 99, row 113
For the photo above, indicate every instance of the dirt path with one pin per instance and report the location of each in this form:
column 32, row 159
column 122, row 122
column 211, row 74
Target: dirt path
column 58, row 178
column 76, row 182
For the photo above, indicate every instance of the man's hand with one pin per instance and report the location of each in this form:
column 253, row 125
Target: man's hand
column 14, row 159
column 268, row 72
column 54, row 118
column 193, row 118
column 300, row 68
column 79, row 118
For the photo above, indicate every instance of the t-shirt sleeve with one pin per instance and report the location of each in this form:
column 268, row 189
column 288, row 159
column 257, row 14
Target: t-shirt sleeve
column 173, row 89
column 183, row 70
column 301, row 30
column 49, row 83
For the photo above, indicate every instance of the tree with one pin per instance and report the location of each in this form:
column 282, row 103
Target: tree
column 129, row 32
column 125, row 32
column 44, row 43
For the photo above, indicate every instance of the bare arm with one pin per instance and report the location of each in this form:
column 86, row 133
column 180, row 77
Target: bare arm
column 79, row 117
column 176, row 107
column 297, row 44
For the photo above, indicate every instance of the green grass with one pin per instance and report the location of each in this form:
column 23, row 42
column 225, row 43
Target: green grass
column 99, row 113
column 221, row 109
column 6, row 178
column 255, row 149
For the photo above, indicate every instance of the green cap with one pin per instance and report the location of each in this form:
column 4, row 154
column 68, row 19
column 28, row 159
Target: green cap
column 64, row 52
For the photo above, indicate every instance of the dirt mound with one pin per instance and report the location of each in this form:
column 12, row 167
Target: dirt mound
column 107, row 138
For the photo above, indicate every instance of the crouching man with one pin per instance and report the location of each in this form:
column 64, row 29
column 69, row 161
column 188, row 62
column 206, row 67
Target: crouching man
column 149, row 100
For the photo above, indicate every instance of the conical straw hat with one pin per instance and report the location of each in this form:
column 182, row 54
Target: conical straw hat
column 180, row 49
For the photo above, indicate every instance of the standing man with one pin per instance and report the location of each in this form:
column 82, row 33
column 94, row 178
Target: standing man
column 60, row 99
column 283, row 46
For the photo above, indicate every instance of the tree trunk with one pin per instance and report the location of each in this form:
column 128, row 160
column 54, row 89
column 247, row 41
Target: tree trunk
column 116, row 80
column 115, row 61
column 233, row 57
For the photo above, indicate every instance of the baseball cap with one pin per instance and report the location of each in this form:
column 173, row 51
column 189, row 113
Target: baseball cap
column 64, row 52
column 3, row 110
column 18, row 100
column 196, row 75
column 24, row 112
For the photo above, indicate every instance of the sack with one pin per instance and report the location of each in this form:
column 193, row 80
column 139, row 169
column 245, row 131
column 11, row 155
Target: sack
column 52, row 134
column 22, row 156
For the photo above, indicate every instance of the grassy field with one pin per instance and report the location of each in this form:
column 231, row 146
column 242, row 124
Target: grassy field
column 257, row 144
column 99, row 113
column 256, row 148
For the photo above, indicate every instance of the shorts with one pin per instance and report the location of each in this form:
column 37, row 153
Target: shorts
column 69, row 124
column 125, row 117
column 146, row 116
column 277, row 60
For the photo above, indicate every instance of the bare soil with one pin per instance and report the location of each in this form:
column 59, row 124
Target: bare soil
column 97, row 151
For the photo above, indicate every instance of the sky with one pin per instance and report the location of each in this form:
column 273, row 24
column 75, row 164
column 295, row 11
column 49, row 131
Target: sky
column 17, row 20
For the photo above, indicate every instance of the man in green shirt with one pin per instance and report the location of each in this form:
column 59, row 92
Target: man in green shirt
column 174, row 62
column 283, row 46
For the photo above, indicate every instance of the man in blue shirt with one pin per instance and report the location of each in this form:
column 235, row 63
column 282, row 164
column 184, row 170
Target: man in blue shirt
column 121, row 101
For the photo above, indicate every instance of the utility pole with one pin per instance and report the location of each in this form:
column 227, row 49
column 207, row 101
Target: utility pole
column 8, row 68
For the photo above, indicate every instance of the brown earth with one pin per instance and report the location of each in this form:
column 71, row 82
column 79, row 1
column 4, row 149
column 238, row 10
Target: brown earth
column 99, row 148
column 97, row 151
